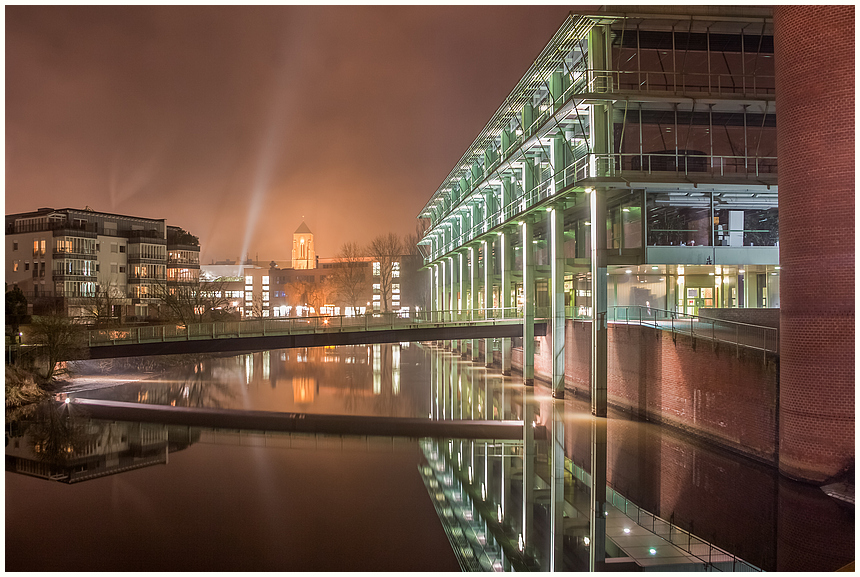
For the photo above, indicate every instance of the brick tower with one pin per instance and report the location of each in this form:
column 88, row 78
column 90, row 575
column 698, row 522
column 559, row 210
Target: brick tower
column 814, row 50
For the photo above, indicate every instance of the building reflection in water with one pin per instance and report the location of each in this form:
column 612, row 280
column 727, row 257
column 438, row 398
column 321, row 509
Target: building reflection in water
column 58, row 446
column 663, row 502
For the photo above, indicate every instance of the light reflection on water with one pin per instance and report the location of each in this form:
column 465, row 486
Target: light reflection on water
column 673, row 490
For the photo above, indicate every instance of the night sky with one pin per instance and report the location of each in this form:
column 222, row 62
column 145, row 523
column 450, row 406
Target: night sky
column 237, row 123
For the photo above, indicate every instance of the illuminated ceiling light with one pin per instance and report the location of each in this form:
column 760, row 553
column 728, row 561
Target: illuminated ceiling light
column 710, row 274
column 741, row 271
column 589, row 190
column 628, row 271
column 776, row 268
column 625, row 210
column 587, row 541
column 587, row 223
column 550, row 209
column 655, row 267
column 626, row 530
column 652, row 550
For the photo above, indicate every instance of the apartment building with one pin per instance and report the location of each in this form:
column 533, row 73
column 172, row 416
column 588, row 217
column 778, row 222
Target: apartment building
column 76, row 257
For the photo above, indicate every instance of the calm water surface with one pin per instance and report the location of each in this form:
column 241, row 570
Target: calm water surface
column 83, row 494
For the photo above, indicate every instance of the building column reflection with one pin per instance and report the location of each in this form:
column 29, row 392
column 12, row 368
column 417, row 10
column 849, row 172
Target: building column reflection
column 556, row 513
column 528, row 469
column 597, row 522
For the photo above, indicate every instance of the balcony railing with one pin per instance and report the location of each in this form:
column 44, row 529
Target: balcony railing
column 665, row 165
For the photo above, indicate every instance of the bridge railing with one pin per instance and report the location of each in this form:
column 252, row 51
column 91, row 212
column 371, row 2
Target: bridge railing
column 294, row 325
column 765, row 339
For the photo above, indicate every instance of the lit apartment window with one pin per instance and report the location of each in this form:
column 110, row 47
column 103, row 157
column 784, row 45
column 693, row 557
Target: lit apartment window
column 377, row 286
column 265, row 280
column 377, row 267
column 15, row 265
column 265, row 296
column 249, row 280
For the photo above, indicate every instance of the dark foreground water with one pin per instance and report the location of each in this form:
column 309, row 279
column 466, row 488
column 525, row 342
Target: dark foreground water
column 83, row 494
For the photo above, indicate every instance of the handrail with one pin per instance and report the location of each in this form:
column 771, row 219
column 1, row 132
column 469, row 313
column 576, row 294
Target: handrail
column 739, row 334
column 299, row 325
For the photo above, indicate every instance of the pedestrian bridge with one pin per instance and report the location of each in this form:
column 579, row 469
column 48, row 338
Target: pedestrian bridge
column 285, row 333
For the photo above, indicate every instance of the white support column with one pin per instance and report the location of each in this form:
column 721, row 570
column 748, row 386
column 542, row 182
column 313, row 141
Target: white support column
column 488, row 299
column 474, row 284
column 557, row 295
column 505, row 301
column 598, row 303
column 528, row 303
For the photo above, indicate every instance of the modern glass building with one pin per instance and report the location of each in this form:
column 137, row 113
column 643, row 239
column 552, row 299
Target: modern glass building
column 644, row 139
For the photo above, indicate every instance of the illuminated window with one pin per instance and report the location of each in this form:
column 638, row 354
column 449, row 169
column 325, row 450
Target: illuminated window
column 15, row 266
column 265, row 280
column 377, row 267
column 249, row 287
column 376, row 297
column 249, row 280
column 249, row 296
column 265, row 296
column 395, row 289
column 377, row 286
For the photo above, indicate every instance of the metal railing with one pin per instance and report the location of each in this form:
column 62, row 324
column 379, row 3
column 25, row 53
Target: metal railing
column 602, row 165
column 297, row 325
column 765, row 339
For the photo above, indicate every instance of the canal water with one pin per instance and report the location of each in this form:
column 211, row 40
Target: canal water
column 86, row 494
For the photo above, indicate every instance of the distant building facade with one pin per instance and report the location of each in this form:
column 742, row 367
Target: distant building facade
column 72, row 257
column 311, row 285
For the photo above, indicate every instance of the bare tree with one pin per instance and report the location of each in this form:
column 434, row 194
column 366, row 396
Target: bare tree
column 193, row 301
column 349, row 276
column 58, row 337
column 104, row 309
column 386, row 249
column 318, row 294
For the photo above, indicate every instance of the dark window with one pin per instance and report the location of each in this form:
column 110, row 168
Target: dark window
column 26, row 266
column 122, row 248
column 14, row 245
column 122, row 269
column 97, row 267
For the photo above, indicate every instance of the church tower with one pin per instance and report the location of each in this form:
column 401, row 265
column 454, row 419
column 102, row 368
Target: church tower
column 304, row 255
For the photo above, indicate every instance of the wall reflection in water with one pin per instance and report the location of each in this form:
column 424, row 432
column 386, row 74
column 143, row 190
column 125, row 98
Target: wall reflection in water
column 664, row 501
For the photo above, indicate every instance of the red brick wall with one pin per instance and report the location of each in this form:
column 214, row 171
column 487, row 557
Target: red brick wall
column 710, row 391
column 815, row 137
